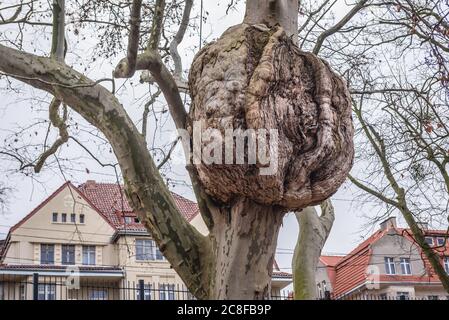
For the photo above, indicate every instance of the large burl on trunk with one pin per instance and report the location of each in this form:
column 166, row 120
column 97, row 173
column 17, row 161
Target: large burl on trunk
column 255, row 77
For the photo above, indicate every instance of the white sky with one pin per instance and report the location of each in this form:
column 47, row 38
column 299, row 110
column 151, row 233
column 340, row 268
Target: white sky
column 347, row 231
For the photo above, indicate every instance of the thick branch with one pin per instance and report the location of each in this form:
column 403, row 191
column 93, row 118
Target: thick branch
column 185, row 248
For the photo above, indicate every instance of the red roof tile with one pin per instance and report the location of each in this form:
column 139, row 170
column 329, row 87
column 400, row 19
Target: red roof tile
column 331, row 261
column 110, row 200
column 348, row 272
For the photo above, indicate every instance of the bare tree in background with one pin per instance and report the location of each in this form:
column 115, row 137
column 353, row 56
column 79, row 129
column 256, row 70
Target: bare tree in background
column 314, row 230
column 253, row 77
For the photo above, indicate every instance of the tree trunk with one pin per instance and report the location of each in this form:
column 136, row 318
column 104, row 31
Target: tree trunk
column 274, row 12
column 313, row 234
column 244, row 240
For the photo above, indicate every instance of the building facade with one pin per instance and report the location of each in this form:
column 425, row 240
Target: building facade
column 387, row 265
column 86, row 242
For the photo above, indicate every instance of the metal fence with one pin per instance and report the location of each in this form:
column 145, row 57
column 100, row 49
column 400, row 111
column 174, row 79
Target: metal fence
column 37, row 287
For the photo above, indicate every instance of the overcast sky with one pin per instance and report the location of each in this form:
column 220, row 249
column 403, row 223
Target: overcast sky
column 350, row 225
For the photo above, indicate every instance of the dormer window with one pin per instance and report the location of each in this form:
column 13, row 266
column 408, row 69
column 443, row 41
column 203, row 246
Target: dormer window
column 54, row 217
column 429, row 241
column 129, row 220
column 441, row 241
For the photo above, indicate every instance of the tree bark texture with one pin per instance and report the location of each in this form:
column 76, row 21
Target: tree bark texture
column 244, row 239
column 255, row 77
column 313, row 233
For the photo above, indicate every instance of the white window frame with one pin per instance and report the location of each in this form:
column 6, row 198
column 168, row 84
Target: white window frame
column 166, row 292
column 68, row 254
column 128, row 220
column 89, row 254
column 432, row 241
column 390, row 266
column 147, row 250
column 146, row 292
column 406, row 267
column 82, row 218
column 47, row 291
column 63, row 217
column 54, row 217
column 72, row 218
column 443, row 240
column 47, row 262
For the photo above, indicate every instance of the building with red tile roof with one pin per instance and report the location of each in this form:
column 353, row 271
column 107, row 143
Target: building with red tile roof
column 388, row 264
column 92, row 227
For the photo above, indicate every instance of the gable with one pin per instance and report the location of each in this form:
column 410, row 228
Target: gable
column 395, row 245
column 39, row 227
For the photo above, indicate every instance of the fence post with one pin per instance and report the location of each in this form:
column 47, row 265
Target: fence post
column 35, row 286
column 141, row 290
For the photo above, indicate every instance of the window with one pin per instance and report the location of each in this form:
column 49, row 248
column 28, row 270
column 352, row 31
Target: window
column 47, row 253
column 129, row 220
column 68, row 254
column 441, row 242
column 82, row 218
column 89, row 255
column 432, row 297
column 167, row 292
column 403, row 296
column 446, row 264
column 390, row 267
column 73, row 218
column 136, row 220
column 47, row 292
column 146, row 292
column 429, row 241
column 63, row 217
column 406, row 268
column 97, row 294
column 147, row 250
column 2, row 291
column 54, row 217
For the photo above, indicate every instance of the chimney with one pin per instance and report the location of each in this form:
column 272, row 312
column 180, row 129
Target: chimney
column 388, row 224
column 90, row 184
column 423, row 225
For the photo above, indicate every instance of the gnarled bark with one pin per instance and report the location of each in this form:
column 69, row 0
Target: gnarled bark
column 255, row 77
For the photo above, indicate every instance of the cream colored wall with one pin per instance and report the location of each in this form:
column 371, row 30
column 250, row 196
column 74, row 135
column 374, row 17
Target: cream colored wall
column 39, row 228
column 398, row 247
column 199, row 224
column 149, row 271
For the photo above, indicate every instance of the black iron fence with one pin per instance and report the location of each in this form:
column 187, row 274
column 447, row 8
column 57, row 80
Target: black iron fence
column 38, row 287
